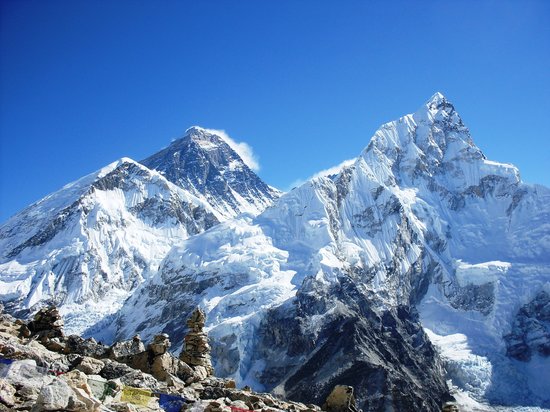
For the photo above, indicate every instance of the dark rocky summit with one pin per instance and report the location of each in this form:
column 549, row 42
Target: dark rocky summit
column 205, row 165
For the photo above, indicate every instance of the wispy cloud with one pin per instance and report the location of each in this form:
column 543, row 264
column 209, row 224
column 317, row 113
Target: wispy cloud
column 327, row 172
column 334, row 169
column 244, row 150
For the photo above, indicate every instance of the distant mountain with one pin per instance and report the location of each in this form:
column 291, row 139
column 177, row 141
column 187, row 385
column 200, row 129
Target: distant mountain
column 89, row 245
column 352, row 278
column 206, row 166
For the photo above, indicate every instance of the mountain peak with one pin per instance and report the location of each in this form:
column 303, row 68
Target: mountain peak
column 194, row 129
column 204, row 163
column 438, row 110
column 436, row 98
column 197, row 131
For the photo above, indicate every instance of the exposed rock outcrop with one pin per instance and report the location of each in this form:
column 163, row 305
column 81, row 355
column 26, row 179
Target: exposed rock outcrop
column 531, row 330
column 34, row 378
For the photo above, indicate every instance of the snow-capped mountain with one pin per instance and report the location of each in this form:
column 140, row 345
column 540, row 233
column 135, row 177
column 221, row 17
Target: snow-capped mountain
column 89, row 245
column 204, row 164
column 344, row 278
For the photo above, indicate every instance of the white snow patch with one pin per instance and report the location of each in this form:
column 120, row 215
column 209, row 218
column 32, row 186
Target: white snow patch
column 480, row 273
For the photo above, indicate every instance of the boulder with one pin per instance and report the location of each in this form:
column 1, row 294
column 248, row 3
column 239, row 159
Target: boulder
column 7, row 393
column 114, row 369
column 55, row 396
column 90, row 366
column 55, row 344
column 78, row 381
column 160, row 345
column 123, row 350
column 164, row 365
column 138, row 379
column 26, row 374
column 341, row 399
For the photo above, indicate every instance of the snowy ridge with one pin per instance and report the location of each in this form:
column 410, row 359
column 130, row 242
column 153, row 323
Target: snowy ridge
column 26, row 223
column 90, row 244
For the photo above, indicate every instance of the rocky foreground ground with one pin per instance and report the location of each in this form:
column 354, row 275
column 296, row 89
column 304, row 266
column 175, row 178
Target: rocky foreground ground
column 41, row 369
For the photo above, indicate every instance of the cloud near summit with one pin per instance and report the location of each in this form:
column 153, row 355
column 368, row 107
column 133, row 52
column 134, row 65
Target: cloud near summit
column 244, row 150
column 327, row 172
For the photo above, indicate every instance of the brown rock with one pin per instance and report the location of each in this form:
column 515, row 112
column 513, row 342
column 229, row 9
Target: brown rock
column 230, row 384
column 139, row 361
column 341, row 399
column 160, row 345
column 7, row 393
column 55, row 345
column 196, row 350
column 164, row 365
column 90, row 366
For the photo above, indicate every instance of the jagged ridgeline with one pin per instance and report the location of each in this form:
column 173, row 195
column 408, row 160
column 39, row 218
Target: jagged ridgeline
column 419, row 262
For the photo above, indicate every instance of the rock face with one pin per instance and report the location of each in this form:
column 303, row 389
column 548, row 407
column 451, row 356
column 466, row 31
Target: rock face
column 531, row 330
column 373, row 352
column 196, row 350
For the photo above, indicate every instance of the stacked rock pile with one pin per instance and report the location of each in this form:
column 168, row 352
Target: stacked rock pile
column 196, row 350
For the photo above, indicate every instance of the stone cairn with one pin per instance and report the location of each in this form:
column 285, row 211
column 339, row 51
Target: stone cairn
column 47, row 323
column 196, row 350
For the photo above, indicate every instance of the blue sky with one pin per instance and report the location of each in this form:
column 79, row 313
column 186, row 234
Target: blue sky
column 304, row 83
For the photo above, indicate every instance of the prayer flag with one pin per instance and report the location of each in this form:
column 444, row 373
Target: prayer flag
column 171, row 403
column 136, row 396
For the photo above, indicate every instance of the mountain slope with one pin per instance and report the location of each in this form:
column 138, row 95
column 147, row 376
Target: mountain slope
column 88, row 245
column 205, row 165
column 322, row 288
